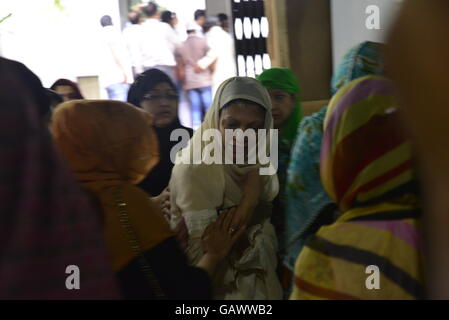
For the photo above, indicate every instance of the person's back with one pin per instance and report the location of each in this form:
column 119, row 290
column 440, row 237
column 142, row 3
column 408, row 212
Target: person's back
column 157, row 50
column 132, row 35
column 192, row 50
column 308, row 204
column 222, row 44
column 160, row 42
column 116, row 71
column 377, row 192
column 197, row 83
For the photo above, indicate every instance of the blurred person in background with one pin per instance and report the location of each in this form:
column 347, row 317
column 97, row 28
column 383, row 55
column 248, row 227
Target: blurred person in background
column 221, row 53
column 170, row 18
column 69, row 90
column 160, row 43
column 116, row 67
column 132, row 35
column 197, row 85
column 224, row 21
column 199, row 17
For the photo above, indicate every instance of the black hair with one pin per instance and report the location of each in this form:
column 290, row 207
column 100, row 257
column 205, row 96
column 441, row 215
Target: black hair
column 222, row 17
column 134, row 17
column 166, row 16
column 66, row 82
column 199, row 13
column 31, row 82
column 54, row 97
column 150, row 9
column 211, row 22
column 145, row 82
column 106, row 21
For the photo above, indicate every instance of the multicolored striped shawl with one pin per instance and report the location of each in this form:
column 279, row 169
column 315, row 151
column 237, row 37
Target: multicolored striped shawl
column 366, row 168
column 305, row 194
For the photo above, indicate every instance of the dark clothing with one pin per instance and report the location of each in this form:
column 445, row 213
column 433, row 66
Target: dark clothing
column 177, row 279
column 157, row 180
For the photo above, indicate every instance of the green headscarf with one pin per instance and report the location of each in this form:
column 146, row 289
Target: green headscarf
column 285, row 79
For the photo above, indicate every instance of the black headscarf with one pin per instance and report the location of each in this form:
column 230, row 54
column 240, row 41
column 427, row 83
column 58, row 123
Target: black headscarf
column 31, row 82
column 159, row 177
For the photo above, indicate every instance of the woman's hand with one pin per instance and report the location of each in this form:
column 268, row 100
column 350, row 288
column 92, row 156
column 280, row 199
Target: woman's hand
column 218, row 238
column 251, row 193
column 163, row 201
column 252, row 186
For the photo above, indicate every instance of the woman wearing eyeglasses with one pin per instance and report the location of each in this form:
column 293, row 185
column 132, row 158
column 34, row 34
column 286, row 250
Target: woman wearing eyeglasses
column 154, row 92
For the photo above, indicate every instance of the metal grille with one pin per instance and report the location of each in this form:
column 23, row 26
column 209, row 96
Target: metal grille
column 250, row 33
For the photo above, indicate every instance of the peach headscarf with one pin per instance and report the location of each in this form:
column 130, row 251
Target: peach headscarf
column 110, row 145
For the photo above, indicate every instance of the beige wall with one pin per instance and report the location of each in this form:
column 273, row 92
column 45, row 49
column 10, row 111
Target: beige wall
column 89, row 87
column 310, row 46
column 278, row 44
column 300, row 39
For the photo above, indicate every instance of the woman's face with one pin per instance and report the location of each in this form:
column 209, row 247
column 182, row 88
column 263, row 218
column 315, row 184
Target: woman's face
column 242, row 116
column 162, row 103
column 66, row 92
column 283, row 104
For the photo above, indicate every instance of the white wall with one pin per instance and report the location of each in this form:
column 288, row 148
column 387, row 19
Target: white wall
column 348, row 23
column 52, row 43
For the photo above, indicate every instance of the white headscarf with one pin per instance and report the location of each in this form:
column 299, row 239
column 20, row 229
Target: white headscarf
column 197, row 187
column 198, row 190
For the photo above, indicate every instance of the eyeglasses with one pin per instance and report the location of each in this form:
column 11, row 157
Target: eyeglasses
column 154, row 97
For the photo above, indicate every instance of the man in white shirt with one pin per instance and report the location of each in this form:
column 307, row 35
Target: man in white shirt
column 133, row 39
column 116, row 72
column 160, row 42
column 200, row 19
column 222, row 53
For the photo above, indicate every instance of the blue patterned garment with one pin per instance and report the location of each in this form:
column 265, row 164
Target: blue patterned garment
column 305, row 194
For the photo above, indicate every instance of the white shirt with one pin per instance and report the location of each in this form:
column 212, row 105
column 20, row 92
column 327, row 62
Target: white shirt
column 111, row 72
column 222, row 50
column 159, row 44
column 133, row 39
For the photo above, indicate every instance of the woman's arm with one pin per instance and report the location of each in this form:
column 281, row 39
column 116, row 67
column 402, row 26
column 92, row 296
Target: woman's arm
column 217, row 241
column 176, row 278
column 250, row 199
